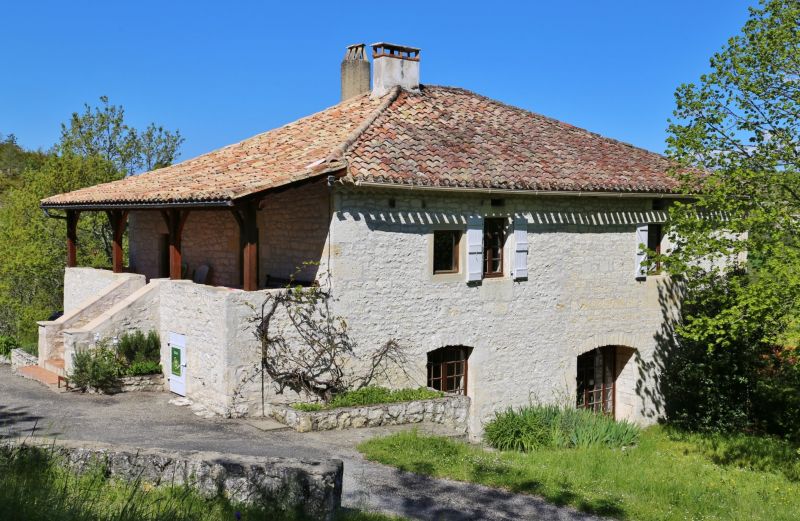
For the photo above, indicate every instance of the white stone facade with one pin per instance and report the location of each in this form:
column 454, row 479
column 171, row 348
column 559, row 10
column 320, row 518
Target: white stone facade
column 581, row 293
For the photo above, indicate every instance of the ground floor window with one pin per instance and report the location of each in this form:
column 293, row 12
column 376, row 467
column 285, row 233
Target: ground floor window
column 597, row 380
column 447, row 369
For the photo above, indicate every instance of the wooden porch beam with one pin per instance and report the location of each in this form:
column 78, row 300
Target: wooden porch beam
column 245, row 216
column 175, row 220
column 72, row 238
column 118, row 220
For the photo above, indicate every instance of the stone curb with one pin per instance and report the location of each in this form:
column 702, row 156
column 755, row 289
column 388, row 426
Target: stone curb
column 312, row 488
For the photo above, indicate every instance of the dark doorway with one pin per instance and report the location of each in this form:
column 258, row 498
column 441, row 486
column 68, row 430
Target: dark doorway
column 597, row 380
column 163, row 255
column 447, row 369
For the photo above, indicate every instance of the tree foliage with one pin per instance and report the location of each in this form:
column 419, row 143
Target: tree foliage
column 96, row 146
column 737, row 135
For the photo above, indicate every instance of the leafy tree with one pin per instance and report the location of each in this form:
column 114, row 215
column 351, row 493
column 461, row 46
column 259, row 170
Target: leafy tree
column 738, row 132
column 96, row 146
column 14, row 160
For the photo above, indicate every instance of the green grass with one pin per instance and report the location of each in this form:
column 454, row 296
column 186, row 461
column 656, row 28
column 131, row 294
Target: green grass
column 35, row 487
column 371, row 396
column 667, row 476
column 538, row 426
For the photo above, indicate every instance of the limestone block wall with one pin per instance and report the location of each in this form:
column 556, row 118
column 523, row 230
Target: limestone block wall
column 81, row 284
column 209, row 237
column 293, row 228
column 581, row 293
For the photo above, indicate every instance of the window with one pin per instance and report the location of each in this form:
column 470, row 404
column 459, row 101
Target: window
column 494, row 237
column 654, row 236
column 596, row 380
column 445, row 251
column 447, row 369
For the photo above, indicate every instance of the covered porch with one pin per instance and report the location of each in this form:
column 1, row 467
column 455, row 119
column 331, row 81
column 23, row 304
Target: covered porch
column 250, row 244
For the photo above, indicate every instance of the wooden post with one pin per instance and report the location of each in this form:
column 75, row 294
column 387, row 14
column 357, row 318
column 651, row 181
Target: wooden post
column 175, row 220
column 72, row 238
column 248, row 232
column 118, row 220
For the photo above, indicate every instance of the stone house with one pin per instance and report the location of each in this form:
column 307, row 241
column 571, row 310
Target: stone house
column 501, row 247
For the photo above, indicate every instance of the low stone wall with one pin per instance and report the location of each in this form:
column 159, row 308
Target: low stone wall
column 20, row 358
column 311, row 488
column 147, row 383
column 5, row 360
column 449, row 410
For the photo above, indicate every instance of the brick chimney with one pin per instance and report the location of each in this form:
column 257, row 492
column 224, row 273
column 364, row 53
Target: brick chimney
column 394, row 65
column 355, row 71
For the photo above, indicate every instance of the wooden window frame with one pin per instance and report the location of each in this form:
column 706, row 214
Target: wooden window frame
column 456, row 266
column 488, row 259
column 444, row 358
column 607, row 404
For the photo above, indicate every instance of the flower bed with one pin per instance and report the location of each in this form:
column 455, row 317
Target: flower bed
column 452, row 410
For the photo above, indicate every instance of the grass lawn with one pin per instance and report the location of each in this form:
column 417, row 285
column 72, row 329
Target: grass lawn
column 34, row 487
column 667, row 476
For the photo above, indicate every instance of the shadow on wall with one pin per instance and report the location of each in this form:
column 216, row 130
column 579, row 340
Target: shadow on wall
column 657, row 370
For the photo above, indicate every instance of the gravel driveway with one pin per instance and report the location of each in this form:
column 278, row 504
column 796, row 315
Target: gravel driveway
column 149, row 420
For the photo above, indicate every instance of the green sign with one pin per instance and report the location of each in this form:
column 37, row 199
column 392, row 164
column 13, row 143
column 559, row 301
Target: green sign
column 176, row 361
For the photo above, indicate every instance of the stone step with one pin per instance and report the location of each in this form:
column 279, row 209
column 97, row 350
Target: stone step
column 55, row 365
column 43, row 376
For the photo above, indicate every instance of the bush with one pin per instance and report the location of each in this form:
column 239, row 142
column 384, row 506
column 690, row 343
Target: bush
column 142, row 368
column 371, row 395
column 538, row 426
column 7, row 343
column 95, row 368
column 138, row 347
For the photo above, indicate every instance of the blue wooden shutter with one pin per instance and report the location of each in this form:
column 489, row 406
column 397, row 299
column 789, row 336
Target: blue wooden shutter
column 641, row 254
column 474, row 248
column 519, row 269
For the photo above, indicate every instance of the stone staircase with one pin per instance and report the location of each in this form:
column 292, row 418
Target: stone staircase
column 51, row 368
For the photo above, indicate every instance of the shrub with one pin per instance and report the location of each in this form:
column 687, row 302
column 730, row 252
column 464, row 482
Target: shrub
column 371, row 395
column 142, row 368
column 7, row 343
column 138, row 347
column 96, row 368
column 538, row 426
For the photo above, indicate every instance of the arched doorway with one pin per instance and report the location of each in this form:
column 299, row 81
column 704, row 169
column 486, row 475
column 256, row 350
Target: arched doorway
column 447, row 369
column 598, row 377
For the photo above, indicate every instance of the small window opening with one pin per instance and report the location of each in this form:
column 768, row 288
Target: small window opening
column 655, row 234
column 392, row 203
column 494, row 237
column 445, row 251
column 597, row 380
column 498, row 202
column 447, row 369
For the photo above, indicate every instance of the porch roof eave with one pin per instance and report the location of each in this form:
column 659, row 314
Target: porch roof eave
column 134, row 205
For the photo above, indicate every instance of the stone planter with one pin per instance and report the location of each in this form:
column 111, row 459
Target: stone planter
column 449, row 410
column 147, row 383
column 20, row 358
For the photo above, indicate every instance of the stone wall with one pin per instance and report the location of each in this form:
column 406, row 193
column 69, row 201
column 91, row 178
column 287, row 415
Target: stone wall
column 144, row 383
column 450, row 410
column 311, row 488
column 581, row 293
column 81, row 284
column 209, row 237
column 293, row 228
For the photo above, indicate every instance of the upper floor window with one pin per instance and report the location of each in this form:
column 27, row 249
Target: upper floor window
column 655, row 234
column 445, row 251
column 494, row 238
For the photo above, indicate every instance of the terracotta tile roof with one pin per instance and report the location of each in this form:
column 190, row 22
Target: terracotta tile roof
column 281, row 156
column 440, row 136
column 455, row 138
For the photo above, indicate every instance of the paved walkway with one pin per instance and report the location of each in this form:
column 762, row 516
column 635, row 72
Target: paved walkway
column 149, row 420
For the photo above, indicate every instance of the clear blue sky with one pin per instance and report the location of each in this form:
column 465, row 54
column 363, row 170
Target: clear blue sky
column 224, row 71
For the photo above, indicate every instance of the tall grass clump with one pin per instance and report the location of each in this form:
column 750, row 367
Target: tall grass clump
column 539, row 426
